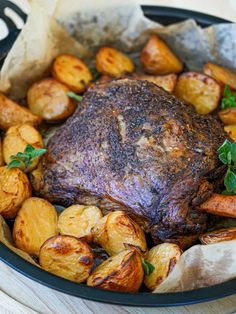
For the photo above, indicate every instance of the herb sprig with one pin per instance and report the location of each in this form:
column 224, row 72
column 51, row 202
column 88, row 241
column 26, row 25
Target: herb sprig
column 75, row 96
column 229, row 99
column 148, row 268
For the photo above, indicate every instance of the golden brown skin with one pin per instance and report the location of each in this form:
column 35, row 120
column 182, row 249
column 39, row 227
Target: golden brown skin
column 1, row 153
column 216, row 236
column 221, row 74
column 48, row 99
column 116, row 230
column 167, row 82
column 163, row 257
column 231, row 130
column 67, row 257
column 17, row 138
column 36, row 221
column 228, row 116
column 77, row 220
column 12, row 114
column 122, row 272
column 111, row 62
column 199, row 90
column 14, row 190
column 72, row 72
column 157, row 58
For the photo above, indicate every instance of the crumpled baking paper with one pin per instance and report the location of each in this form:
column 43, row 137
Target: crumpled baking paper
column 80, row 27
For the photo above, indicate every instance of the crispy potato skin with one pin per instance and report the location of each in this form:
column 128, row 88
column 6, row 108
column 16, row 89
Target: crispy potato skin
column 167, row 82
column 14, row 190
column 221, row 205
column 216, row 236
column 36, row 222
column 220, row 74
column 16, row 139
column 12, row 114
column 163, row 257
column 67, row 257
column 157, row 58
column 122, row 272
column 77, row 220
column 112, row 62
column 115, row 231
column 48, row 99
column 201, row 91
column 228, row 116
column 72, row 72
column 231, row 130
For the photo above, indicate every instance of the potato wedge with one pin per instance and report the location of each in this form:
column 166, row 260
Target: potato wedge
column 111, row 62
column 220, row 74
column 221, row 205
column 228, row 116
column 67, row 257
column 122, row 272
column 48, row 99
column 17, row 138
column 231, row 130
column 77, row 220
column 14, row 190
column 36, row 222
column 163, row 257
column 157, row 58
column 72, row 72
column 116, row 230
column 216, row 236
column 199, row 90
column 167, row 82
column 12, row 114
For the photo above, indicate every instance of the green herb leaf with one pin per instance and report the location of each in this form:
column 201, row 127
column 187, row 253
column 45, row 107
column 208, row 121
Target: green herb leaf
column 148, row 268
column 14, row 164
column 230, row 180
column 229, row 99
column 225, row 153
column 37, row 152
column 75, row 96
column 95, row 73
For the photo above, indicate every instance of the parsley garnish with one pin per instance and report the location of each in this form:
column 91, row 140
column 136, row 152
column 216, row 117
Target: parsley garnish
column 229, row 99
column 75, row 96
column 147, row 267
column 95, row 73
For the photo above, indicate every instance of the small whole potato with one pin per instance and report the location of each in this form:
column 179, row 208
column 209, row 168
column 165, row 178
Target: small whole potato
column 228, row 116
column 217, row 236
column 231, row 130
column 67, row 257
column 111, row 62
column 14, row 190
column 122, row 272
column 157, row 58
column 116, row 231
column 17, row 138
column 49, row 100
column 35, row 222
column 72, row 72
column 163, row 257
column 77, row 220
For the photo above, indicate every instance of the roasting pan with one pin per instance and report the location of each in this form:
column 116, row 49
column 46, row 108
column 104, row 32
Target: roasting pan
column 165, row 16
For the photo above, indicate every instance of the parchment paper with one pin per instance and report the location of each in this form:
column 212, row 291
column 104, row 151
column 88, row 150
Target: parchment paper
column 121, row 23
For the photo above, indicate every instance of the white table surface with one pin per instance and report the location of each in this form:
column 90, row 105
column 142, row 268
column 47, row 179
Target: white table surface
column 20, row 295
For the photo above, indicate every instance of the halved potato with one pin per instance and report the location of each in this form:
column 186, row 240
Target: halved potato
column 157, row 58
column 17, row 138
column 163, row 257
column 67, row 257
column 77, row 220
column 116, row 231
column 201, row 91
column 72, row 72
column 231, row 130
column 216, row 236
column 167, row 82
column 36, row 222
column 14, row 190
column 49, row 100
column 228, row 116
column 111, row 62
column 12, row 114
column 122, row 272
column 221, row 74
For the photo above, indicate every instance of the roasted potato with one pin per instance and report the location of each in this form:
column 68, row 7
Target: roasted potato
column 163, row 257
column 72, row 72
column 115, row 231
column 221, row 205
column 35, row 222
column 157, row 58
column 49, row 100
column 111, row 62
column 201, row 91
column 184, row 242
column 17, row 138
column 231, row 130
column 14, row 190
column 216, row 236
column 122, row 272
column 77, row 220
column 167, row 82
column 12, row 114
column 228, row 116
column 1, row 154
column 220, row 74
column 67, row 257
